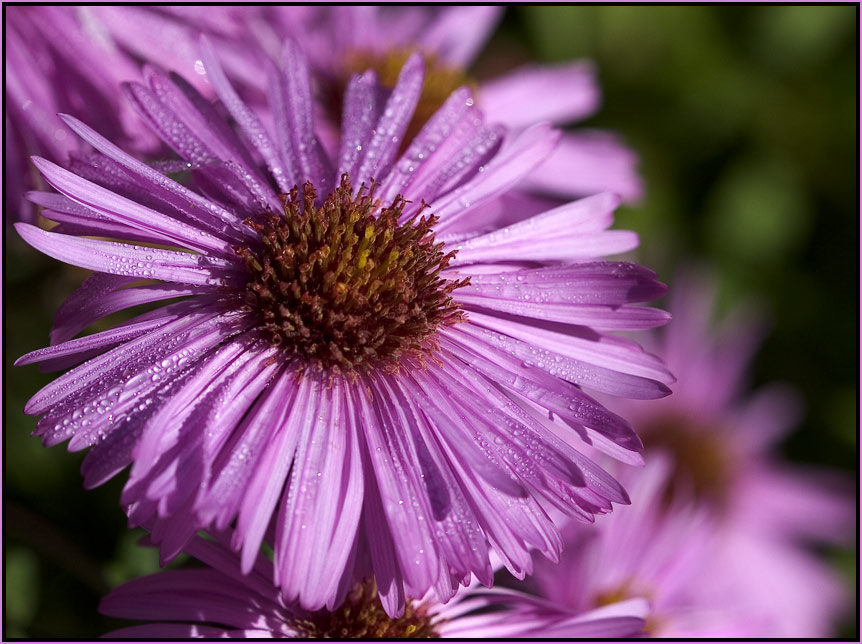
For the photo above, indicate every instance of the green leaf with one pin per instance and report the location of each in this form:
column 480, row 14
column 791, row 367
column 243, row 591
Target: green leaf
column 758, row 212
column 131, row 559
column 21, row 588
column 793, row 36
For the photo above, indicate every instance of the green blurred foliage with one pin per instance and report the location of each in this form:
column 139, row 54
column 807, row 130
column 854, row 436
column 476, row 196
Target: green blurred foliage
column 745, row 121
column 21, row 589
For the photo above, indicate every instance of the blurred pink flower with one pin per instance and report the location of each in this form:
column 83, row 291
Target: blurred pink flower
column 53, row 64
column 340, row 40
column 73, row 60
column 652, row 550
column 585, row 162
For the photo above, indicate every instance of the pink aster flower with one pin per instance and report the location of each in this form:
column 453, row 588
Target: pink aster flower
column 726, row 520
column 725, row 445
column 342, row 40
column 743, row 476
column 342, row 374
column 221, row 601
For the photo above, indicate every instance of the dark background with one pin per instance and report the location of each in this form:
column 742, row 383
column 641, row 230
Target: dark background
column 745, row 118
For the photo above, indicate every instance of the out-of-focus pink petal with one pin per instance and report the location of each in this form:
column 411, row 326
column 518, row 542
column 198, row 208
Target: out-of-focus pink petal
column 457, row 34
column 559, row 94
column 587, row 162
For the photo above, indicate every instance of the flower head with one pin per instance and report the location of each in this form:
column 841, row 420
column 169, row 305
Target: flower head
column 342, row 40
column 724, row 440
column 344, row 376
column 220, row 601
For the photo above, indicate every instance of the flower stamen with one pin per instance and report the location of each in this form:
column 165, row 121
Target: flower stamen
column 363, row 616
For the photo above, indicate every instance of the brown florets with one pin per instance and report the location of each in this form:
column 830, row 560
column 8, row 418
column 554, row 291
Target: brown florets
column 362, row 616
column 345, row 286
column 702, row 464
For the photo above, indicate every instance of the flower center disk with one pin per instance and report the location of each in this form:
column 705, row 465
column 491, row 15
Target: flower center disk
column 702, row 463
column 363, row 616
column 347, row 286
